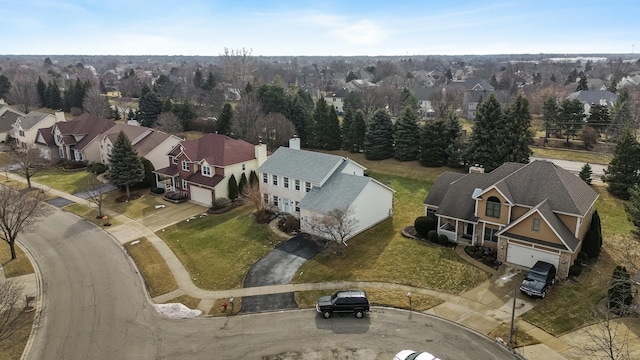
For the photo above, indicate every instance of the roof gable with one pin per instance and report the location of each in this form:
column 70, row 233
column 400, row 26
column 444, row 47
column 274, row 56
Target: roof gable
column 83, row 129
column 216, row 149
column 305, row 165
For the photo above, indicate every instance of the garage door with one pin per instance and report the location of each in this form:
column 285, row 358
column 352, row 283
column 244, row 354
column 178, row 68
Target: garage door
column 200, row 195
column 527, row 256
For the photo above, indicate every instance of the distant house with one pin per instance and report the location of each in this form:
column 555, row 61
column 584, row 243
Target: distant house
column 336, row 100
column 472, row 98
column 526, row 212
column 202, row 168
column 27, row 126
column 424, row 95
column 74, row 140
column 8, row 118
column 589, row 98
column 308, row 185
column 152, row 144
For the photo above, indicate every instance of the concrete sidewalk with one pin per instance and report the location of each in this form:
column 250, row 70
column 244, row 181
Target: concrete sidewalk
column 482, row 309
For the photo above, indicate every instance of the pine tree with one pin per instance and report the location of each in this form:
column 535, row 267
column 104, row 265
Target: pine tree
column 633, row 207
column 233, row 188
column 571, row 117
column 484, row 143
column 347, row 129
column 599, row 118
column 433, row 143
column 320, row 120
column 298, row 114
column 55, row 98
column 253, row 178
column 623, row 171
column 125, row 168
column 619, row 293
column 621, row 113
column 223, row 125
column 407, row 135
column 597, row 227
column 42, row 88
column 378, row 142
column 454, row 152
column 149, row 107
column 582, row 84
column 358, row 131
column 586, row 173
column 242, row 184
column 517, row 133
column 332, row 130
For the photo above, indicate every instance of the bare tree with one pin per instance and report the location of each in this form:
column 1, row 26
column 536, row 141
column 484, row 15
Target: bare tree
column 96, row 104
column 25, row 94
column 169, row 123
column 252, row 193
column 237, row 64
column 245, row 116
column 273, row 129
column 19, row 211
column 12, row 315
column 338, row 224
column 29, row 162
column 97, row 193
column 609, row 339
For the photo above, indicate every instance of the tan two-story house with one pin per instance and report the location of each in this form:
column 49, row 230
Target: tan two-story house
column 526, row 212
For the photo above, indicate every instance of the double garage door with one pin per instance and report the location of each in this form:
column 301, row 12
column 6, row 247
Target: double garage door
column 200, row 195
column 527, row 256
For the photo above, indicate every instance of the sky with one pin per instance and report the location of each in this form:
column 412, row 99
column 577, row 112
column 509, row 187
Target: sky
column 318, row 28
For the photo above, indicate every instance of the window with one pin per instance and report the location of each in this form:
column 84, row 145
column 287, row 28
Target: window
column 21, row 133
column 297, row 206
column 185, row 166
column 184, row 185
column 265, row 197
column 265, row 178
column 206, row 170
column 244, row 167
column 59, row 138
column 286, row 183
column 275, row 200
column 493, row 207
column 77, row 155
column 109, row 149
column 490, row 234
column 274, row 180
column 307, row 186
column 535, row 225
column 297, row 182
column 174, row 160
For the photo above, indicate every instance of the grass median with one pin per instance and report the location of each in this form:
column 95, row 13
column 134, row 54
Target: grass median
column 156, row 273
column 17, row 267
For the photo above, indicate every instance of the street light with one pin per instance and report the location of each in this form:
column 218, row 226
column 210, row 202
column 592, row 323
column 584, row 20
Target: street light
column 409, row 297
column 513, row 307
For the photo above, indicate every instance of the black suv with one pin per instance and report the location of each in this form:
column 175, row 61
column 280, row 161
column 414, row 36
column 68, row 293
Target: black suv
column 541, row 276
column 354, row 301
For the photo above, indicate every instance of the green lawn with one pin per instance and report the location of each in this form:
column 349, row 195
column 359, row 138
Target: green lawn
column 69, row 182
column 397, row 299
column 157, row 275
column 383, row 254
column 218, row 250
column 136, row 208
column 20, row 266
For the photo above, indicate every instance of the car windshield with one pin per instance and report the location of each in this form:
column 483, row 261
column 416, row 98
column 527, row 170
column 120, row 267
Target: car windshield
column 536, row 276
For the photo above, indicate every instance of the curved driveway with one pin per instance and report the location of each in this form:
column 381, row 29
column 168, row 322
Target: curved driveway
column 94, row 307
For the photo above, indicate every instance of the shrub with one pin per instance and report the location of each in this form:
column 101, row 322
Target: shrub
column 263, row 216
column 590, row 244
column 583, row 256
column 73, row 164
column 442, row 239
column 471, row 250
column 289, row 224
column 424, row 224
column 579, row 262
column 220, row 203
column 432, row 236
column 157, row 190
column 98, row 168
column 575, row 270
column 619, row 293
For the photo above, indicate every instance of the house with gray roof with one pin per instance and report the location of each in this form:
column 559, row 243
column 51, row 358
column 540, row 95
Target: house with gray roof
column 525, row 212
column 309, row 185
column 8, row 118
column 472, row 98
column 589, row 98
column 26, row 127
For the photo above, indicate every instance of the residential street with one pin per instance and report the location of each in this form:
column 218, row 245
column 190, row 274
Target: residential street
column 94, row 307
column 575, row 166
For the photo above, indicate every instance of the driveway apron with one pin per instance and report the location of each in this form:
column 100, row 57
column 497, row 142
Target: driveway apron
column 85, row 194
column 278, row 268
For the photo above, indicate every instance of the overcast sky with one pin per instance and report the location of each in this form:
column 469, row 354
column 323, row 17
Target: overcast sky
column 329, row 27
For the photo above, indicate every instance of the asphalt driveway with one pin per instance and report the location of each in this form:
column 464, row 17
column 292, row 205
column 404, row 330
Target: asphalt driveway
column 85, row 194
column 277, row 268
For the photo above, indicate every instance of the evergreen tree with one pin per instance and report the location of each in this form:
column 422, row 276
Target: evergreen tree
column 407, row 135
column 149, row 177
column 149, row 107
column 242, row 184
column 233, row 188
column 253, row 178
column 599, row 118
column 553, row 77
column 223, row 125
column 125, row 168
column 571, row 117
column 298, row 113
column 320, row 121
column 347, row 129
column 185, row 112
column 350, row 76
column 550, row 115
column 198, row 79
column 573, row 76
column 454, row 153
column 582, row 84
column 272, row 98
column 484, row 146
column 167, row 105
column 633, row 207
column 517, row 133
column 332, row 130
column 590, row 244
column 597, row 227
column 5, row 86
column 619, row 294
column 42, row 88
column 623, row 171
column 55, row 98
column 433, row 144
column 410, row 100
column 586, row 173
column 378, row 142
column 47, row 95
column 621, row 113
column 131, row 115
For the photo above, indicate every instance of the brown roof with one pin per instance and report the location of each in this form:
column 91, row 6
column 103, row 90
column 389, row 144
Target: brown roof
column 199, row 179
column 171, row 170
column 216, row 150
column 86, row 126
column 8, row 119
column 47, row 136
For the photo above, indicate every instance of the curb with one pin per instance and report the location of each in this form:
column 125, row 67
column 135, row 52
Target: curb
column 38, row 305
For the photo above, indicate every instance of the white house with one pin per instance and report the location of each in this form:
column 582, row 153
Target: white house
column 309, row 184
column 26, row 127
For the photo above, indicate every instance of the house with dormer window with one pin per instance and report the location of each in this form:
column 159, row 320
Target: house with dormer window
column 525, row 212
column 308, row 185
column 201, row 168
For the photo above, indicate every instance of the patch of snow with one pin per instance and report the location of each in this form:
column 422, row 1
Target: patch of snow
column 176, row 311
column 135, row 242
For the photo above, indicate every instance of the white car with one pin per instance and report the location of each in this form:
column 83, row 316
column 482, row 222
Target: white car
column 412, row 355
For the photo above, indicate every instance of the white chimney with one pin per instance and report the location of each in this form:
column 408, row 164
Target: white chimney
column 478, row 169
column 261, row 153
column 60, row 116
column 294, row 143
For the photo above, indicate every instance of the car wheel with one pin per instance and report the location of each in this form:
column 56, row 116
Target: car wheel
column 358, row 314
column 544, row 294
column 326, row 314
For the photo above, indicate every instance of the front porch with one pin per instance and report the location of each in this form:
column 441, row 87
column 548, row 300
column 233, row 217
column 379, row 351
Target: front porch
column 458, row 231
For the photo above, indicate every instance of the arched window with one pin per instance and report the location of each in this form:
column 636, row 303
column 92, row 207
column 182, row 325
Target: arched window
column 493, row 207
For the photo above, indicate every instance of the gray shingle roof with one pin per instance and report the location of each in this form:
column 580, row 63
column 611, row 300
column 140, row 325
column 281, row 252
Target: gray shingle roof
column 31, row 119
column 301, row 164
column 593, row 96
column 340, row 191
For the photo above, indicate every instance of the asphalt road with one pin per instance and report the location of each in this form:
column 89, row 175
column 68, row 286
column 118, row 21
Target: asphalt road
column 576, row 166
column 94, row 307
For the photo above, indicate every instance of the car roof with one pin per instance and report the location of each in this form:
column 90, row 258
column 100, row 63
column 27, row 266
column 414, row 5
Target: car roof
column 351, row 293
column 412, row 355
column 542, row 265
